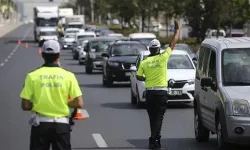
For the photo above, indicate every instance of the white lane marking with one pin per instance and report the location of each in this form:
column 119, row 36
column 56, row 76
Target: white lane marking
column 85, row 114
column 99, row 140
column 15, row 49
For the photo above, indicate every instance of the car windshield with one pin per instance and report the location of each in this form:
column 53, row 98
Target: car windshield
column 48, row 33
column 215, row 33
column 75, row 26
column 84, row 36
column 183, row 47
column 128, row 49
column 178, row 62
column 145, row 41
column 99, row 46
column 70, row 36
column 236, row 67
column 72, row 31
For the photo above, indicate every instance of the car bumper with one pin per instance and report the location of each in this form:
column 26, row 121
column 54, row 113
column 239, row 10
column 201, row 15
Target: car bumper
column 97, row 65
column 233, row 122
column 119, row 74
column 187, row 94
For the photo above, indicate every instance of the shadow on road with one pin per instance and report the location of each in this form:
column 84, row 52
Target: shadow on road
column 177, row 144
column 179, row 106
column 122, row 105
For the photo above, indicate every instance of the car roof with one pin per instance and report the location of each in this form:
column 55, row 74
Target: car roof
column 86, row 33
column 68, row 29
column 127, row 42
column 228, row 43
column 142, row 35
column 103, row 39
column 174, row 52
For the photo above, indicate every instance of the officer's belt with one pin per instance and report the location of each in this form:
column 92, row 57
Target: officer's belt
column 53, row 119
column 158, row 88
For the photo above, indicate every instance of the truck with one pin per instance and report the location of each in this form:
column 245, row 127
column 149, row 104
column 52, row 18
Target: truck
column 63, row 13
column 75, row 21
column 45, row 16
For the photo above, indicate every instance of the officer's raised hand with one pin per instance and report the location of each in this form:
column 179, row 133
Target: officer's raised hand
column 176, row 35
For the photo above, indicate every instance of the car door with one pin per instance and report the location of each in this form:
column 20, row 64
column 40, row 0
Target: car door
column 211, row 94
column 205, row 112
column 133, row 75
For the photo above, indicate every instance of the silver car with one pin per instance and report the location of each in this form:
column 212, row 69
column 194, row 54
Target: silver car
column 222, row 91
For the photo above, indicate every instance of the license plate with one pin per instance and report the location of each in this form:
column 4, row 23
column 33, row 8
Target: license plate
column 176, row 92
column 128, row 73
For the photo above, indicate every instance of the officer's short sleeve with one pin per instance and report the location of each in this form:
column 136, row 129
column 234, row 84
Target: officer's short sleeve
column 28, row 91
column 166, row 54
column 74, row 90
column 140, row 70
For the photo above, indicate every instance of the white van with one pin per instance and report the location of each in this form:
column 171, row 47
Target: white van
column 144, row 38
column 212, row 34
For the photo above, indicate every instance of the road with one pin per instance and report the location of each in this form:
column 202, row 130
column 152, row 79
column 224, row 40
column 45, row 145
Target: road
column 113, row 122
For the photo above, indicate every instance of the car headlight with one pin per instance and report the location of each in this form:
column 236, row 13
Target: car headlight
column 41, row 38
column 93, row 56
column 190, row 82
column 56, row 38
column 111, row 63
column 240, row 107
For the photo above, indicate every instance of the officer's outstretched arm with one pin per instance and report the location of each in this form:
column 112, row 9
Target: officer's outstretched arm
column 176, row 35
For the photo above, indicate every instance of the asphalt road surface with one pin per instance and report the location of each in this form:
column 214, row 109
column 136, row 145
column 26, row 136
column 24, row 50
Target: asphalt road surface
column 113, row 124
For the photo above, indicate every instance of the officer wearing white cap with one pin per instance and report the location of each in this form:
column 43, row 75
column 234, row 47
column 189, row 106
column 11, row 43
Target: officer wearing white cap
column 45, row 94
column 153, row 70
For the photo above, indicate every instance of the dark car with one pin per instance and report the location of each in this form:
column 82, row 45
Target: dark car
column 94, row 48
column 118, row 60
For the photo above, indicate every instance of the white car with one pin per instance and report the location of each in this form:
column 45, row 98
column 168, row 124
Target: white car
column 82, row 53
column 116, row 35
column 72, row 30
column 144, row 38
column 181, row 70
column 68, row 40
column 47, row 33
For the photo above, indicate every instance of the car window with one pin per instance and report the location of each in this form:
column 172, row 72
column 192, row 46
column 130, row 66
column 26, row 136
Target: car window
column 138, row 60
column 127, row 49
column 204, row 63
column 69, row 36
column 212, row 66
column 236, row 67
column 99, row 46
column 84, row 36
column 180, row 62
column 48, row 33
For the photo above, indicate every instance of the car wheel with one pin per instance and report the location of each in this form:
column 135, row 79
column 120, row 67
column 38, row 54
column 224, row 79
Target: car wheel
column 138, row 101
column 222, row 144
column 133, row 98
column 88, row 69
column 201, row 132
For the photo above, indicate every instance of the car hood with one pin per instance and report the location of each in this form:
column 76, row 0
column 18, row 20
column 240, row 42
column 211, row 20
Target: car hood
column 49, row 37
column 69, row 39
column 238, row 92
column 124, row 59
column 181, row 74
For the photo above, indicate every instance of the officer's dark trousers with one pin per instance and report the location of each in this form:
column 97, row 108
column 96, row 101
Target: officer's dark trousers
column 156, row 108
column 47, row 134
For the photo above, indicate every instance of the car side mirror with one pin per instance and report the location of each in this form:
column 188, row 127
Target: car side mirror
column 105, row 55
column 206, row 82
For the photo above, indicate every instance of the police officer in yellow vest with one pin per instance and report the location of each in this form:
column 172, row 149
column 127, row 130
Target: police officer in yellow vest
column 45, row 94
column 153, row 70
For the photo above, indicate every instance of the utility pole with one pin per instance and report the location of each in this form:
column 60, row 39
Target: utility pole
column 92, row 10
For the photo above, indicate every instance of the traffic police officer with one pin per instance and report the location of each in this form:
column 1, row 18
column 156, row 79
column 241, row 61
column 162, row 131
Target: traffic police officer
column 153, row 70
column 45, row 94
